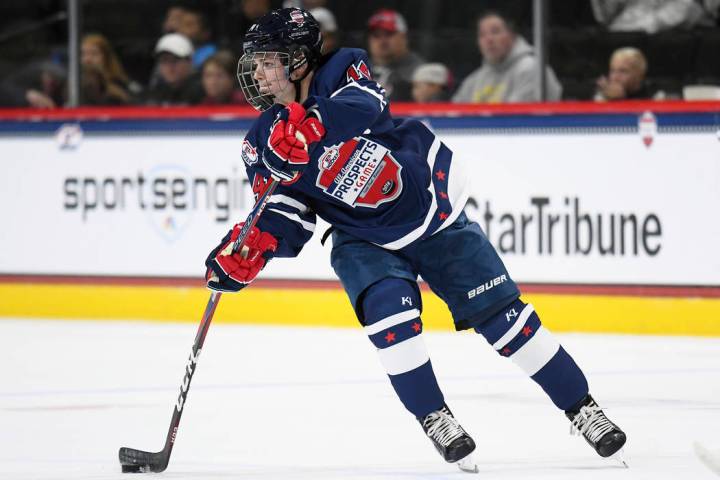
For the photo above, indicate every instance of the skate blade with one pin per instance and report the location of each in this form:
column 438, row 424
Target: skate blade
column 619, row 457
column 468, row 465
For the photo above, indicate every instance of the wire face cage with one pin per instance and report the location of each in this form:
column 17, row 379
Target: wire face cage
column 262, row 76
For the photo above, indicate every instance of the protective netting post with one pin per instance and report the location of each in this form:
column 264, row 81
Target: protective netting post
column 539, row 27
column 73, row 53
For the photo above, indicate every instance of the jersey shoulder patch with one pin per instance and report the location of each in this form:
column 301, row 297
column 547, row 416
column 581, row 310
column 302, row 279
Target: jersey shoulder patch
column 249, row 153
column 357, row 71
column 341, row 67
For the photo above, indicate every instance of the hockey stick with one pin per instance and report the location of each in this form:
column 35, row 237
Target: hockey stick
column 134, row 461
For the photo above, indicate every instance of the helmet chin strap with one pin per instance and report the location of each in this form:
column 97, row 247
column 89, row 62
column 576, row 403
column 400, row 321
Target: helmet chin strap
column 303, row 61
column 298, row 92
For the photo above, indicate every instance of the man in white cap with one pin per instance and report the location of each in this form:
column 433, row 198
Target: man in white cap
column 178, row 84
column 393, row 63
column 431, row 83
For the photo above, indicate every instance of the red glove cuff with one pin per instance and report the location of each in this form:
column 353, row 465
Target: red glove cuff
column 308, row 125
column 312, row 129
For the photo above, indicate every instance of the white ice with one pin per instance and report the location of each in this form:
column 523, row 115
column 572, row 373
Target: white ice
column 314, row 403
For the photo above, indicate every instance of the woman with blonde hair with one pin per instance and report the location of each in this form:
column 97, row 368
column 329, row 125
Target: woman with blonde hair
column 96, row 50
column 96, row 88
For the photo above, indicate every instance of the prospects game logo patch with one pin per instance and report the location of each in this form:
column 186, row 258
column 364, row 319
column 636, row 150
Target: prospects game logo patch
column 359, row 173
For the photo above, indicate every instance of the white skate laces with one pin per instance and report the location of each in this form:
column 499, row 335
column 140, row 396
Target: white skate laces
column 606, row 438
column 591, row 422
column 442, row 427
column 450, row 439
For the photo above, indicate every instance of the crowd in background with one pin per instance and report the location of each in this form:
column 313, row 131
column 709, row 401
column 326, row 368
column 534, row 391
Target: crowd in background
column 190, row 67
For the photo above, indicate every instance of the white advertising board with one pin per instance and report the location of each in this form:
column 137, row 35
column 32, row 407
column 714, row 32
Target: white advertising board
column 565, row 208
column 600, row 208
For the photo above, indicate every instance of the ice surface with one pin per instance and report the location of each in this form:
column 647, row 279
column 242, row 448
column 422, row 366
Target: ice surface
column 313, row 403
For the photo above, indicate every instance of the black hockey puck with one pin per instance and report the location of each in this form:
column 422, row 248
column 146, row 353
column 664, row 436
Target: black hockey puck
column 132, row 468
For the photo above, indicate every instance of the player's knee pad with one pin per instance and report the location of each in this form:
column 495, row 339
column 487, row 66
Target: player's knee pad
column 391, row 318
column 516, row 332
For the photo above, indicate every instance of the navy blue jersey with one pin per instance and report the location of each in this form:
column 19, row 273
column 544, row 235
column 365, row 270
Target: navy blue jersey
column 389, row 182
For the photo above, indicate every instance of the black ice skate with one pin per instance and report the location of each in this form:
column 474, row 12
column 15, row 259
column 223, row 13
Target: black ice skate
column 602, row 434
column 449, row 438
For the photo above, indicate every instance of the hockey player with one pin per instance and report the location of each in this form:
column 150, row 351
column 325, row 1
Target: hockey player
column 395, row 199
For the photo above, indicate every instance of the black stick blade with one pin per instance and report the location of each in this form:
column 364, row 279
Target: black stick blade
column 138, row 461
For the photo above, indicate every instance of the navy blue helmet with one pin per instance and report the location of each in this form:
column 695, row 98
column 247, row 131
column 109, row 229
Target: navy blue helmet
column 285, row 30
column 290, row 33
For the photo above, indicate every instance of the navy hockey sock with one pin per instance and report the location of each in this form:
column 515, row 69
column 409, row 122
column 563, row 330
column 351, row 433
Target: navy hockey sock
column 516, row 333
column 391, row 310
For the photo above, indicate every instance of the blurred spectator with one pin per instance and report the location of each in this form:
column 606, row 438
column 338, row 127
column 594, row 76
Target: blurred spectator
column 393, row 63
column 626, row 78
column 509, row 69
column 431, row 83
column 241, row 15
column 328, row 28
column 36, row 82
column 96, row 50
column 218, row 80
column 306, row 4
column 254, row 9
column 194, row 25
column 97, row 89
column 51, row 90
column 173, row 19
column 178, row 83
column 652, row 16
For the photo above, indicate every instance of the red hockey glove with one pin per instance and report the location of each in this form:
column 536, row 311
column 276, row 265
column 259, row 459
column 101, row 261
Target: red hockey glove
column 290, row 136
column 231, row 272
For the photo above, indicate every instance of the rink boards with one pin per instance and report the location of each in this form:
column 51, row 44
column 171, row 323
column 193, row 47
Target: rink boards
column 696, row 313
column 608, row 215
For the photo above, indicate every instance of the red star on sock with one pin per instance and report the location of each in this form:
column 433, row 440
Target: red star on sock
column 443, row 195
column 506, row 351
column 527, row 331
column 443, row 215
column 440, row 175
column 416, row 327
column 390, row 337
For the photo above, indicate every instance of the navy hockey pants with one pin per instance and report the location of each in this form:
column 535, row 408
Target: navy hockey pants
column 458, row 263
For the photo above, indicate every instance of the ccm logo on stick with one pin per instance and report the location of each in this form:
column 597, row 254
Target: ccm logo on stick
column 486, row 286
